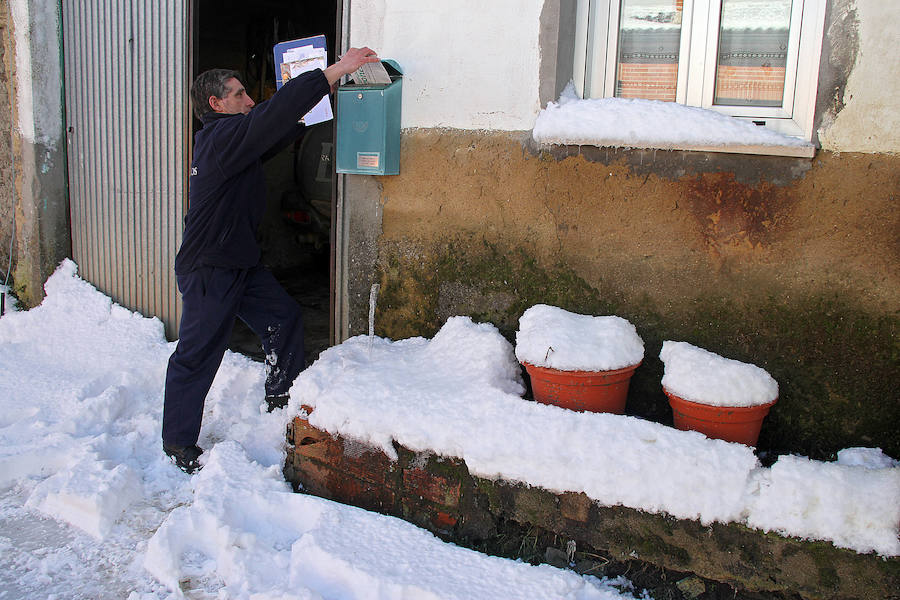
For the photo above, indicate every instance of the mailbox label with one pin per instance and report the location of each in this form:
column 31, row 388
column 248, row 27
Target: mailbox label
column 368, row 160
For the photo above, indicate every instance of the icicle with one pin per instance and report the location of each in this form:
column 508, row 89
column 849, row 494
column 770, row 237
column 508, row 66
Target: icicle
column 373, row 298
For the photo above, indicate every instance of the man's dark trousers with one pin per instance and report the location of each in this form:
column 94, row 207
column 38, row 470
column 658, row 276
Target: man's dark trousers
column 212, row 298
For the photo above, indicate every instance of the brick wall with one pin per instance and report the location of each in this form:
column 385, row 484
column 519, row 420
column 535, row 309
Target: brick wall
column 439, row 494
column 760, row 84
column 421, row 488
column 650, row 81
column 657, row 81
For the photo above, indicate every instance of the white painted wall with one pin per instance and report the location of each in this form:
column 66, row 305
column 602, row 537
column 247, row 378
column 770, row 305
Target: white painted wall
column 870, row 119
column 468, row 64
column 475, row 65
column 38, row 71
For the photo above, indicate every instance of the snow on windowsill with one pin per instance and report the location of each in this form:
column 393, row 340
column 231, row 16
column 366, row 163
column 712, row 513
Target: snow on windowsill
column 634, row 123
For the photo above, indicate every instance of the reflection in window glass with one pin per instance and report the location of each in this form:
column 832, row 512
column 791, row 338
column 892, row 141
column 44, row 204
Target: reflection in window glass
column 649, row 39
column 753, row 43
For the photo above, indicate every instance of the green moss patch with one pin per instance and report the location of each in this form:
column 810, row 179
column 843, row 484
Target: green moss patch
column 836, row 365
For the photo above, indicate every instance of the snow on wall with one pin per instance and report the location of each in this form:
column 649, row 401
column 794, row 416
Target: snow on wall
column 467, row 64
column 458, row 395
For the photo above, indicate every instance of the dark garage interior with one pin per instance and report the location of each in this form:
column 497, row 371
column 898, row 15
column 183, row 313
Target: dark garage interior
column 296, row 231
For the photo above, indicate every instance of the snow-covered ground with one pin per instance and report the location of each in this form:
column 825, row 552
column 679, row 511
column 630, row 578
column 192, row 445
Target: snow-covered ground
column 90, row 508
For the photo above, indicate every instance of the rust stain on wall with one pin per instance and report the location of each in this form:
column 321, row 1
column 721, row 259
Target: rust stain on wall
column 735, row 215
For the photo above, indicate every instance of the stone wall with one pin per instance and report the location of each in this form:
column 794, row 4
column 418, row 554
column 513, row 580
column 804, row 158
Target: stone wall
column 675, row 558
column 790, row 264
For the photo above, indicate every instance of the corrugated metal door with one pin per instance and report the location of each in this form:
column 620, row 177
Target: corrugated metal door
column 126, row 76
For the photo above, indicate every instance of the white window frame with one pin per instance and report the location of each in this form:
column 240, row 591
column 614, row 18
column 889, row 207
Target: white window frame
column 596, row 46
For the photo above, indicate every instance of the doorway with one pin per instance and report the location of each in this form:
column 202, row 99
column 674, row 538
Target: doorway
column 296, row 233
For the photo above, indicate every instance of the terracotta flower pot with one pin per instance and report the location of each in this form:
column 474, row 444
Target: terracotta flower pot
column 592, row 391
column 730, row 423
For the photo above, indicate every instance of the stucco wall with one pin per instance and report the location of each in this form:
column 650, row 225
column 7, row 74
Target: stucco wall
column 864, row 115
column 791, row 264
column 467, row 64
column 6, row 131
column 475, row 65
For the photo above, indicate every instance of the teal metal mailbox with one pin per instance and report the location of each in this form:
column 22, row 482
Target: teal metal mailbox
column 368, row 126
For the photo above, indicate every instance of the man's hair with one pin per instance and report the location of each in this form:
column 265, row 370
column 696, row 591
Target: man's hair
column 209, row 83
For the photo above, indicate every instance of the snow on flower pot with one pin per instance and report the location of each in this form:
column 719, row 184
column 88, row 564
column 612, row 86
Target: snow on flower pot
column 579, row 362
column 719, row 397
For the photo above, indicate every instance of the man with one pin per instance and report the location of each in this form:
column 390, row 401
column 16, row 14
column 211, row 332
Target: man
column 217, row 267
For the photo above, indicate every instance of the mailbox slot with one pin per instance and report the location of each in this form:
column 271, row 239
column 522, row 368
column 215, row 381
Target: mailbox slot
column 368, row 126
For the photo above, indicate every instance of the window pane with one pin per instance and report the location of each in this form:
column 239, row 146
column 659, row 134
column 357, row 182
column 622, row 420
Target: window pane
column 649, row 39
column 753, row 44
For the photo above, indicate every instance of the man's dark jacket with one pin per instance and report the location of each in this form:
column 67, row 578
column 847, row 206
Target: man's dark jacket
column 227, row 185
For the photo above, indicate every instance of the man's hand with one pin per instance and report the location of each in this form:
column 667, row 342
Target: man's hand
column 349, row 62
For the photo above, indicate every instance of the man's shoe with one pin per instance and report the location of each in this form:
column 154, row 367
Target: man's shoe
column 184, row 457
column 279, row 401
